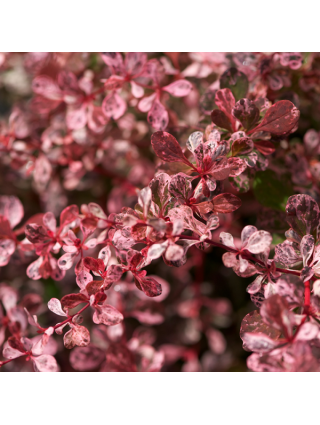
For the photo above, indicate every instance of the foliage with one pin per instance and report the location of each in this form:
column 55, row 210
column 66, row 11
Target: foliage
column 123, row 175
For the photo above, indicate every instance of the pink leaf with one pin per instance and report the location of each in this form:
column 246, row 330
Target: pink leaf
column 83, row 278
column 302, row 214
column 113, row 106
column 76, row 118
column 66, row 261
column 158, row 116
column 33, row 270
column 107, row 314
column 146, row 103
column 259, row 241
column 78, row 335
column 68, row 215
column 258, row 342
column 86, row 358
column 179, row 88
column 114, row 272
column 275, row 312
column 105, row 254
column 12, row 209
column 45, row 363
column 144, row 199
column 55, row 306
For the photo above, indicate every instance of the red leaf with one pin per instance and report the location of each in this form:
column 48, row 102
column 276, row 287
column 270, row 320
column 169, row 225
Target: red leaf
column 246, row 112
column 68, row 215
column 93, row 264
column 225, row 101
column 167, row 147
column 220, row 119
column 72, row 300
column 279, row 118
column 265, row 147
column 226, row 203
column 149, row 286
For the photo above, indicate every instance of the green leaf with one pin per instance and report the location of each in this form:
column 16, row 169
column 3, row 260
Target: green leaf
column 236, row 81
column 272, row 190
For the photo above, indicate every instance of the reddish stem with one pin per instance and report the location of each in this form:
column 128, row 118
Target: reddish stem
column 245, row 255
column 69, row 319
column 306, row 297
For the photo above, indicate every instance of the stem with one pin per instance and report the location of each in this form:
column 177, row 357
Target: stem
column 245, row 255
column 306, row 297
column 69, row 319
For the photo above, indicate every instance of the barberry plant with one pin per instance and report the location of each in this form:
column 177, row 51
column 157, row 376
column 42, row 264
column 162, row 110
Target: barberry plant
column 124, row 175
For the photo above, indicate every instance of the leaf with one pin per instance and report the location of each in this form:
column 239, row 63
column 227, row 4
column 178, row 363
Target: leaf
column 72, row 300
column 246, row 112
column 68, row 215
column 33, row 270
column 225, row 101
column 220, row 119
column 236, row 81
column 264, row 146
column 279, row 119
column 76, row 118
column 144, row 199
column 66, row 261
column 55, row 306
column 78, row 335
column 303, row 214
column 107, row 315
column 258, row 342
column 174, row 252
column 253, row 322
column 11, row 208
column 114, row 272
column 189, row 222
column 286, row 254
column 271, row 190
column 242, row 146
column 158, row 116
column 167, row 147
column 113, row 106
column 180, row 187
column 36, row 234
column 306, row 248
column 179, row 88
column 149, row 286
column 275, row 312
column 105, row 254
column 259, row 242
column 86, row 358
column 45, row 363
column 225, row 203
column 93, row 264
column 291, row 288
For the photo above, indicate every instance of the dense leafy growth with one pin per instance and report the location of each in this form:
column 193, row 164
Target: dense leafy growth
column 122, row 174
